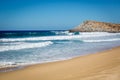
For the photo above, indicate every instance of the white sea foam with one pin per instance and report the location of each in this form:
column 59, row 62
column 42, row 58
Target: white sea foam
column 67, row 37
column 63, row 33
column 24, row 46
column 102, row 40
column 96, row 33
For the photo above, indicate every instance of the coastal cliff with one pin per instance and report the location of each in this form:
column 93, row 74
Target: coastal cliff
column 94, row 26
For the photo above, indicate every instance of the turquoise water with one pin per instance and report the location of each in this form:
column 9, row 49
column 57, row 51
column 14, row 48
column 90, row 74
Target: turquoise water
column 21, row 48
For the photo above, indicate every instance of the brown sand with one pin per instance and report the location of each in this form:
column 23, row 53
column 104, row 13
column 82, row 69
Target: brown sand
column 100, row 66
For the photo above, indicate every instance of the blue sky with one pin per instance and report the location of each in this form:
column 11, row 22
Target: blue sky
column 55, row 14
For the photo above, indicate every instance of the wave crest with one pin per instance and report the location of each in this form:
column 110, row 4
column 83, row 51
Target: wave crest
column 65, row 37
column 25, row 46
column 102, row 40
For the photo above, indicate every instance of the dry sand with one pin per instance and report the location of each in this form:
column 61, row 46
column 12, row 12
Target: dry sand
column 100, row 66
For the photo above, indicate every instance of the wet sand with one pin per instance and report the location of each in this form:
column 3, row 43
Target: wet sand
column 99, row 66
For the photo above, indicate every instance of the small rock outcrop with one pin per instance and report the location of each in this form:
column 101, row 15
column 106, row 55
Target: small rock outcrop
column 94, row 26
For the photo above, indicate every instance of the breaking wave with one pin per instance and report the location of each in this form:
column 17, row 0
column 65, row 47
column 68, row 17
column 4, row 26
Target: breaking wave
column 102, row 40
column 25, row 46
column 65, row 37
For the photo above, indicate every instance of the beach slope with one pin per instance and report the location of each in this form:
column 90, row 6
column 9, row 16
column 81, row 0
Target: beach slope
column 100, row 66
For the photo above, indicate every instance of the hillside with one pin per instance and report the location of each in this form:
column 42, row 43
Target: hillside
column 94, row 26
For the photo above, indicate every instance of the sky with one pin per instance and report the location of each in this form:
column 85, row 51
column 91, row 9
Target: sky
column 55, row 14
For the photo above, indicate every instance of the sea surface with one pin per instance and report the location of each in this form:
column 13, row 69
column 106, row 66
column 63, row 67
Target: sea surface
column 22, row 48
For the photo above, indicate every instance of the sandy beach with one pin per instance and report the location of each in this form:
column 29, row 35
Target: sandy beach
column 99, row 66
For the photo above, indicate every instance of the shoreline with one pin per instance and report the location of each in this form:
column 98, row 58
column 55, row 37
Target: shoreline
column 85, row 67
column 19, row 67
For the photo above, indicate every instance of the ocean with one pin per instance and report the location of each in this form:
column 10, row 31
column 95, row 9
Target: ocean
column 23, row 48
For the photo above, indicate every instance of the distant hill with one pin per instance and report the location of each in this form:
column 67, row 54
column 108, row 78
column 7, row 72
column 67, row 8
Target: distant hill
column 94, row 26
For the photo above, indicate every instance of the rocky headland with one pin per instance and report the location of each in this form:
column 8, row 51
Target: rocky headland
column 95, row 26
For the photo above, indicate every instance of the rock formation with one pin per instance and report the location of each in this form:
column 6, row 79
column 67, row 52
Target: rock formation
column 94, row 26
